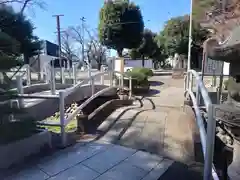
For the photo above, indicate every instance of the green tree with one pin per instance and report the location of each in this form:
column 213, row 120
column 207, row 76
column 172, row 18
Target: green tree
column 135, row 54
column 200, row 8
column 18, row 27
column 175, row 35
column 148, row 48
column 9, row 52
column 121, row 25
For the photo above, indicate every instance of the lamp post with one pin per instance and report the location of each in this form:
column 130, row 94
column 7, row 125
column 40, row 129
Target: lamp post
column 190, row 37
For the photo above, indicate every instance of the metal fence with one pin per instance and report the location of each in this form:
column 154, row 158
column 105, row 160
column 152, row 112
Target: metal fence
column 64, row 121
column 207, row 137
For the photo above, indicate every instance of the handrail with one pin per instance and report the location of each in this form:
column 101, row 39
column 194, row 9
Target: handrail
column 74, row 114
column 63, row 94
column 207, row 138
column 202, row 88
column 72, row 89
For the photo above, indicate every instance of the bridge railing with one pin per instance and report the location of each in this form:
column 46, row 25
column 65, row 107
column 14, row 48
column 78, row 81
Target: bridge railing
column 64, row 121
column 207, row 138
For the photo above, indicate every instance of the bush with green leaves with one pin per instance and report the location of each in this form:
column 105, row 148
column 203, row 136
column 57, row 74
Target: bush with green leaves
column 137, row 75
column 17, row 45
column 146, row 71
column 139, row 80
column 11, row 131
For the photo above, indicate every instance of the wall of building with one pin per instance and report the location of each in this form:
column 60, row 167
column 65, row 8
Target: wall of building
column 129, row 63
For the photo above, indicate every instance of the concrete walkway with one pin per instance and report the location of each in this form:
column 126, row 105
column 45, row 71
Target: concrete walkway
column 137, row 145
column 160, row 126
column 95, row 161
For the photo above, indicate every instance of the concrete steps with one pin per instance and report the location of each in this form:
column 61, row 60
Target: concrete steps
column 117, row 123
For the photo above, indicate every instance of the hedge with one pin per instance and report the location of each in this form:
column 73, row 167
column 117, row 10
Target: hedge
column 140, row 81
column 146, row 71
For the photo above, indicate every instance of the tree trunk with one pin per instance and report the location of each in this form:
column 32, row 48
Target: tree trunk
column 99, row 66
column 26, row 59
column 143, row 61
column 119, row 51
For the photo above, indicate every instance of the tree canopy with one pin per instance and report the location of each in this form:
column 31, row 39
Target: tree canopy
column 121, row 25
column 16, row 25
column 148, row 48
column 200, row 7
column 175, row 35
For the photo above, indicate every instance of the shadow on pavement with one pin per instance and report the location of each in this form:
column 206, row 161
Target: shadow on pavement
column 152, row 92
column 183, row 172
column 134, row 118
column 156, row 83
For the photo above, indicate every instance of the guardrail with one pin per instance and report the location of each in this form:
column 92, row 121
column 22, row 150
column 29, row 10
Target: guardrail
column 207, row 138
column 64, row 93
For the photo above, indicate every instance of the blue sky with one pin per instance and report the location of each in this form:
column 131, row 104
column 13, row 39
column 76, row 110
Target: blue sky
column 155, row 13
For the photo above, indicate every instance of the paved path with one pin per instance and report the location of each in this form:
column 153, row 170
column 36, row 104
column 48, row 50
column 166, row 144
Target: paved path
column 95, row 161
column 160, row 126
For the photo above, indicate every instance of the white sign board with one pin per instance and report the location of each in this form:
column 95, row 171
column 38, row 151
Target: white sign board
column 148, row 63
column 213, row 67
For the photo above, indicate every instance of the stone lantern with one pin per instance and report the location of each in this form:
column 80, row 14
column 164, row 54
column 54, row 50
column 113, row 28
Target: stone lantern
column 228, row 113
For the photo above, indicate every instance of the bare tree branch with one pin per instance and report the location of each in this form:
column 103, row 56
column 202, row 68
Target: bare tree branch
column 93, row 50
column 24, row 3
column 96, row 51
column 68, row 47
column 76, row 34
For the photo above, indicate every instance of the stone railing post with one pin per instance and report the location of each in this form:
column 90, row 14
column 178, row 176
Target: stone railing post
column 28, row 73
column 62, row 117
column 111, row 78
column 102, row 76
column 20, row 91
column 52, row 80
column 130, row 86
column 92, row 86
column 74, row 68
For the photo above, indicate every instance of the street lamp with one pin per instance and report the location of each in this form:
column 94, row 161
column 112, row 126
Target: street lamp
column 190, row 37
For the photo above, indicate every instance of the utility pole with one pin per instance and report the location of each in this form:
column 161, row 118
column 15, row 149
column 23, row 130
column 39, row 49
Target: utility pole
column 83, row 20
column 190, row 37
column 59, row 46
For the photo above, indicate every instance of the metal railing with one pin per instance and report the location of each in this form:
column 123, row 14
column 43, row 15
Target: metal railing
column 207, row 138
column 91, row 81
column 64, row 121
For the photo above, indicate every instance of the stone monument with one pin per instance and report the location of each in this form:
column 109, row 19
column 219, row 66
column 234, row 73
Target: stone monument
column 228, row 113
column 178, row 67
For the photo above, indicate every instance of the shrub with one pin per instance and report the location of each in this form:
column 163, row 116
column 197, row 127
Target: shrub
column 11, row 131
column 139, row 81
column 146, row 71
column 137, row 75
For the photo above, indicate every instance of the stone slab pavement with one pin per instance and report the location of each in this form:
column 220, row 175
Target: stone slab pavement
column 162, row 126
column 94, row 161
column 160, row 131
